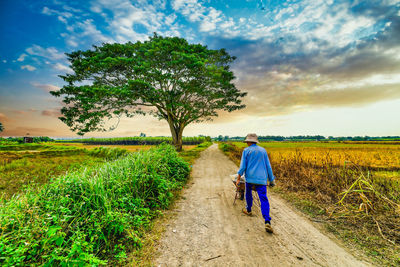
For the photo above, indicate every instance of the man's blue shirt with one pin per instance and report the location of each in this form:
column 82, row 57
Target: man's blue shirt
column 255, row 165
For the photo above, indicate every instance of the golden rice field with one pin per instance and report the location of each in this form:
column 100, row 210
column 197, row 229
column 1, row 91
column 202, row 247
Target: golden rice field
column 383, row 159
column 353, row 188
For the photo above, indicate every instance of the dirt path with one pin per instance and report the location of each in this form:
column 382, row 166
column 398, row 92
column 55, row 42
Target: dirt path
column 209, row 231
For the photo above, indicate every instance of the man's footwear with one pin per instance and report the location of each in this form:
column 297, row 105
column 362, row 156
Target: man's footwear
column 268, row 227
column 244, row 210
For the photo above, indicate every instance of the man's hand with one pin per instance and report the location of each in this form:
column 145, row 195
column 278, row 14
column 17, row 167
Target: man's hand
column 238, row 180
column 272, row 183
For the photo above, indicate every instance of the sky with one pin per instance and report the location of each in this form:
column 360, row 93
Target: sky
column 310, row 67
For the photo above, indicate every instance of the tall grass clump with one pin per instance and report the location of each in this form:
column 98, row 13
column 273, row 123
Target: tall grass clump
column 92, row 216
column 107, row 152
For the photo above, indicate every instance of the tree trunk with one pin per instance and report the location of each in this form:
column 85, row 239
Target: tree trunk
column 176, row 134
column 178, row 144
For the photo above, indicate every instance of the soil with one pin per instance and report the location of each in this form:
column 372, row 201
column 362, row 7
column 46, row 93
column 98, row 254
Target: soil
column 209, row 230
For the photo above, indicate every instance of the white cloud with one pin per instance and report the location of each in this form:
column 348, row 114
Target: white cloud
column 62, row 19
column 374, row 80
column 50, row 53
column 335, row 24
column 184, row 4
column 28, row 67
column 45, row 87
column 47, row 11
column 87, row 28
column 95, row 7
column 259, row 31
column 61, row 16
column 61, row 67
column 352, row 25
column 71, row 41
column 127, row 21
column 127, row 15
column 207, row 26
column 68, row 8
column 227, row 24
column 208, row 17
column 22, row 57
column 169, row 20
column 209, row 22
column 78, row 28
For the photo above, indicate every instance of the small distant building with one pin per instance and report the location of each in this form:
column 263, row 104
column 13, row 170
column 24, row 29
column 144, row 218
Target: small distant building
column 28, row 139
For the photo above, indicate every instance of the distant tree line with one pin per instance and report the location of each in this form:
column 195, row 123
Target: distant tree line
column 309, row 138
column 36, row 139
column 137, row 140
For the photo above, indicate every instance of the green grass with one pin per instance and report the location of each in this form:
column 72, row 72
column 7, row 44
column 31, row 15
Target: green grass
column 191, row 155
column 92, row 216
column 34, row 169
column 36, row 147
column 35, row 164
column 108, row 153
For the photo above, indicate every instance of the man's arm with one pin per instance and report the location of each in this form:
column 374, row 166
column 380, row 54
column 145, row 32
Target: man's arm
column 271, row 176
column 243, row 164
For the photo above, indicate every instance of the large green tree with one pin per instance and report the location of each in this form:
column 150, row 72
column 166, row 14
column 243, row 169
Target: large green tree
column 166, row 77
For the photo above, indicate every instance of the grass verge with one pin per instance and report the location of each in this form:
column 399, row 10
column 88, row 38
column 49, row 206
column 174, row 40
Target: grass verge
column 93, row 216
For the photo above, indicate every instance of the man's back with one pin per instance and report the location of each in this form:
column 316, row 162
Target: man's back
column 255, row 164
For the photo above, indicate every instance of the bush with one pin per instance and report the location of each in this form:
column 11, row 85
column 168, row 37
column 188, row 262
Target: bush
column 89, row 216
column 109, row 153
column 226, row 147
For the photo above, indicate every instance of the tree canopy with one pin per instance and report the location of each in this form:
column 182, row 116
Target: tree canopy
column 165, row 77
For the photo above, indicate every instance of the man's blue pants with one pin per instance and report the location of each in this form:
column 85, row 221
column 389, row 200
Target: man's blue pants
column 262, row 194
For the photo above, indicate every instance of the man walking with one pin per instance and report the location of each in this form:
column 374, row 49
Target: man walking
column 257, row 169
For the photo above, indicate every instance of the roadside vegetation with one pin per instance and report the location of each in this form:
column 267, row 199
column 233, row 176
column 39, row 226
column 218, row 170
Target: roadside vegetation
column 97, row 212
column 23, row 165
column 353, row 189
column 85, row 217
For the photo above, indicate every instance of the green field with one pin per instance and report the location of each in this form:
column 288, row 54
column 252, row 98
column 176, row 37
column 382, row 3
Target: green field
column 84, row 206
column 31, row 165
